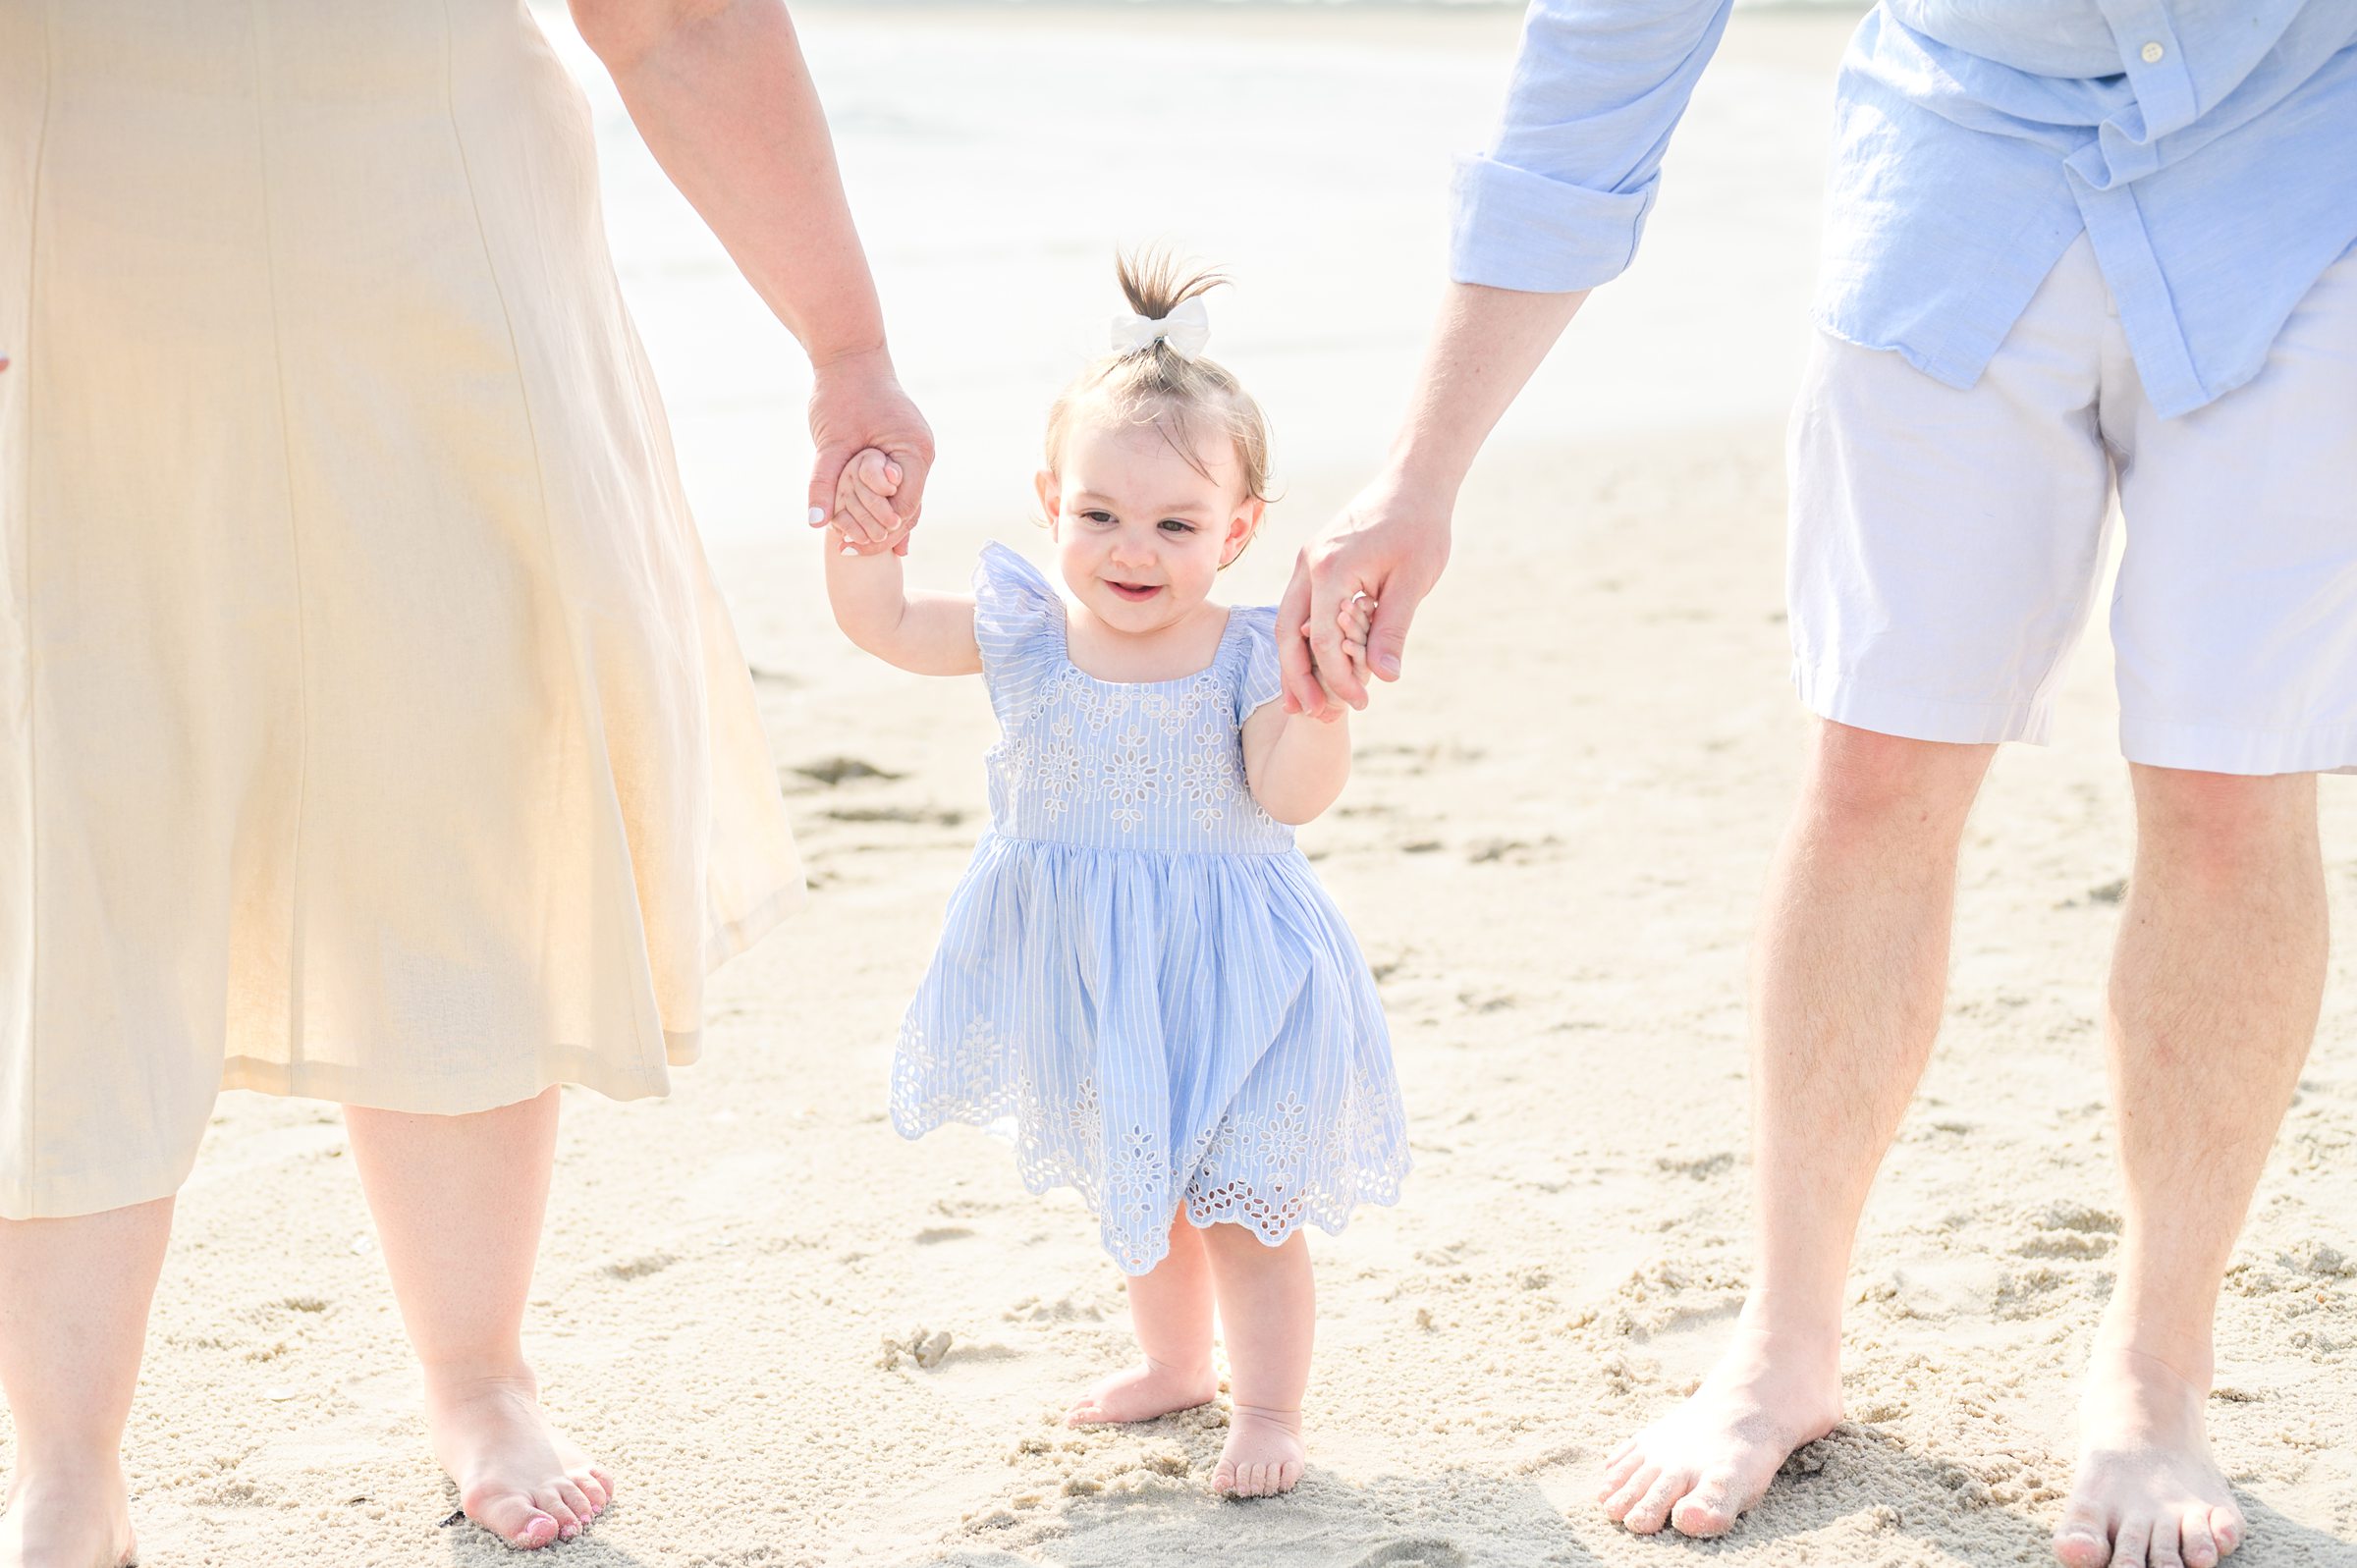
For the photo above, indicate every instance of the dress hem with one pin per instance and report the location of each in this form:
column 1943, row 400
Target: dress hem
column 1379, row 1195
column 115, row 1187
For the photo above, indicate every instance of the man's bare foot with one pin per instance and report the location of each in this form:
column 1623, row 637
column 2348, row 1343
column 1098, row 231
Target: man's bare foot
column 2147, row 1490
column 1144, row 1392
column 1263, row 1455
column 1707, row 1461
column 68, row 1522
column 518, row 1476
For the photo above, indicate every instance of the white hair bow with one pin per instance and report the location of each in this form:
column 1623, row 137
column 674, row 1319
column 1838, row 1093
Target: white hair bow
column 1187, row 328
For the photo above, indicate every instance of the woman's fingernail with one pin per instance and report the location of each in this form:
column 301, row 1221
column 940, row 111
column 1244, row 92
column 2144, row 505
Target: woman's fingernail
column 850, row 550
column 818, row 516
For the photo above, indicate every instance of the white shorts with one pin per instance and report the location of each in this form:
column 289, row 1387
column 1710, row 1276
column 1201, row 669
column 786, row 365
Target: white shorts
column 1946, row 545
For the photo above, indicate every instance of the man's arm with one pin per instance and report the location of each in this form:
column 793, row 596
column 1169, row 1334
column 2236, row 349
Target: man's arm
column 1554, row 208
column 1392, row 541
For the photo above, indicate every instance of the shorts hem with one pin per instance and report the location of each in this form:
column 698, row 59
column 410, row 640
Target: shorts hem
column 1844, row 699
column 2254, row 753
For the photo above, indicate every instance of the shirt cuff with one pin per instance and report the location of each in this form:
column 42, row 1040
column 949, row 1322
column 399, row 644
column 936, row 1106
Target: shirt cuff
column 1513, row 229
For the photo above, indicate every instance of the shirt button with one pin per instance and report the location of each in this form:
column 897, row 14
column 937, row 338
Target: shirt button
column 2152, row 53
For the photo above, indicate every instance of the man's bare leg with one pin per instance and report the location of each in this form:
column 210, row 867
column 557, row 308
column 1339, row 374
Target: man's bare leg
column 2215, row 986
column 1849, row 980
column 74, row 1298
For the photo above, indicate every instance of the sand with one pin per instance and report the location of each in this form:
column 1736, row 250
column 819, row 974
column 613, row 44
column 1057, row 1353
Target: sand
column 799, row 1340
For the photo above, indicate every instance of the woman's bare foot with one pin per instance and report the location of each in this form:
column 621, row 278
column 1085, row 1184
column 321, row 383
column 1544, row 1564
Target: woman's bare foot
column 1713, row 1457
column 1263, row 1455
column 1142, row 1393
column 2147, row 1490
column 518, row 1476
column 68, row 1522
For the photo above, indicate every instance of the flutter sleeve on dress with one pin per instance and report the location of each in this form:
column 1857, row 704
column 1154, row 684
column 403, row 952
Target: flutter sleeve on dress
column 1018, row 627
column 1260, row 680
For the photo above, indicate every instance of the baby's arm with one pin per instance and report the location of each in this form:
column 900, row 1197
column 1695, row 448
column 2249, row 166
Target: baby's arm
column 928, row 633
column 1296, row 765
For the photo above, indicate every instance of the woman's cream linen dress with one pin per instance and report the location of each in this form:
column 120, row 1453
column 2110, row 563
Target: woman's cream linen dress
column 370, row 725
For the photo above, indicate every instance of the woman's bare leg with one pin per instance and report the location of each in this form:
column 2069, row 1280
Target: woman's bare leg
column 74, row 1296
column 458, row 1202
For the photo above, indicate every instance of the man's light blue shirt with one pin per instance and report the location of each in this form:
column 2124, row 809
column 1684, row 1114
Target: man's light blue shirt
column 2208, row 149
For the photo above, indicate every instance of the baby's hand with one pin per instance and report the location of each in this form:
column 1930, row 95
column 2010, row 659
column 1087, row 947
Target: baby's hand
column 863, row 521
column 1355, row 617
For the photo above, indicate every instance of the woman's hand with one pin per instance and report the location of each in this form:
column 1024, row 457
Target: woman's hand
column 1389, row 544
column 855, row 403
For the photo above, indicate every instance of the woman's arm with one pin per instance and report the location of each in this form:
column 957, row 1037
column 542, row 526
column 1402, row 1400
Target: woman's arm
column 1295, row 765
column 719, row 90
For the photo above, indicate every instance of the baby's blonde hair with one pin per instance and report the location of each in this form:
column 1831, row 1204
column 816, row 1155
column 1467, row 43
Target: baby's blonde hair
column 1160, row 387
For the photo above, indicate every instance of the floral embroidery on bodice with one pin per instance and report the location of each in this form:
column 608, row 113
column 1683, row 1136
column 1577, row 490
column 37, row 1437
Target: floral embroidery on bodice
column 1121, row 765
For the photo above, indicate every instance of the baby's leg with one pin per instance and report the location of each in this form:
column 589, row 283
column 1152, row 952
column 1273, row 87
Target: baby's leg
column 1268, row 1315
column 1170, row 1308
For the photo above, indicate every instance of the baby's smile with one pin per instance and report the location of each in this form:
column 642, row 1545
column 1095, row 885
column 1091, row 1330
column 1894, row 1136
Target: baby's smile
column 1134, row 592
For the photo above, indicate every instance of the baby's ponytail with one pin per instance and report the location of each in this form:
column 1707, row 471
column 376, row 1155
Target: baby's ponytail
column 1156, row 382
column 1155, row 286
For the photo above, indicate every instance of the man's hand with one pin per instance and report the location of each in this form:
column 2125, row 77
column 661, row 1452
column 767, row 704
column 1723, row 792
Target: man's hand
column 857, row 403
column 1389, row 545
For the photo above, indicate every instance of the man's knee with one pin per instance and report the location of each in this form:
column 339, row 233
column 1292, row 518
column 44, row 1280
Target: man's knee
column 1870, row 784
column 2223, row 825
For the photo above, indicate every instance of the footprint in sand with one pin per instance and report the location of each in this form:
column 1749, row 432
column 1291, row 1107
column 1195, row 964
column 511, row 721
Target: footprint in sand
column 652, row 1263
column 926, row 1350
column 2067, row 1216
column 912, row 816
column 1699, row 1166
column 833, row 771
column 1412, row 1554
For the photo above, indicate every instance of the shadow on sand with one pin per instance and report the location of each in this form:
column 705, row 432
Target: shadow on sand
column 1859, row 1497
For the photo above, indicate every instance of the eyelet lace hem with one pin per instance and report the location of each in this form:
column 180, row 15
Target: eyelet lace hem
column 1270, row 1172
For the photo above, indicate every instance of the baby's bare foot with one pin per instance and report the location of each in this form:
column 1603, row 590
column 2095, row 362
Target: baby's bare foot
column 1707, row 1461
column 518, row 1476
column 1142, row 1393
column 2147, row 1490
column 1263, row 1455
column 68, row 1522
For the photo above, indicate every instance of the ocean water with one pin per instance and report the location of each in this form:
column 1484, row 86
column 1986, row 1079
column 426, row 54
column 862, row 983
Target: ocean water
column 999, row 152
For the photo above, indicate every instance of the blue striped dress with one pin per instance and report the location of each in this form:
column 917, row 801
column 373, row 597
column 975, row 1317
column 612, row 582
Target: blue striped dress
column 1139, row 968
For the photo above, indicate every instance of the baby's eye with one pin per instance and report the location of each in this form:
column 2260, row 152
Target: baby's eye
column 1100, row 518
column 1177, row 525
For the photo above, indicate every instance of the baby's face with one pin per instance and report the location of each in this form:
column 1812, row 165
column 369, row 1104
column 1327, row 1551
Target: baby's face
column 1140, row 533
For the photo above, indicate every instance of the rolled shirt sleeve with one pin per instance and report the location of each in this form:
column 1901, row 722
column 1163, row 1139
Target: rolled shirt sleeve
column 1559, row 200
